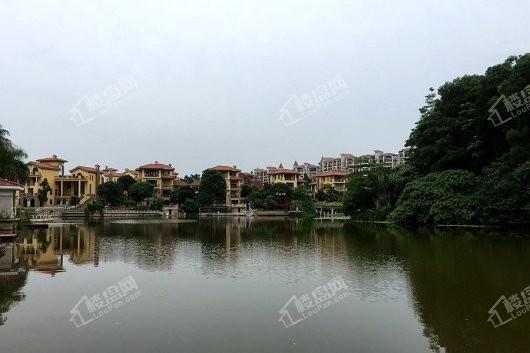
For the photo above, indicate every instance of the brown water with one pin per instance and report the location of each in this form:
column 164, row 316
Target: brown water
column 218, row 286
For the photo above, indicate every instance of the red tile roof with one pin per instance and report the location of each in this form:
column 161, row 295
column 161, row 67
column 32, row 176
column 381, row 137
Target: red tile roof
column 42, row 165
column 333, row 173
column 83, row 168
column 111, row 173
column 225, row 168
column 53, row 158
column 156, row 165
column 5, row 182
column 282, row 171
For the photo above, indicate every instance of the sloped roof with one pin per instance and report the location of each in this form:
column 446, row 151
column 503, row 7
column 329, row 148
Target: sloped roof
column 333, row 173
column 156, row 165
column 8, row 184
column 53, row 158
column 283, row 171
column 42, row 165
column 84, row 168
column 225, row 168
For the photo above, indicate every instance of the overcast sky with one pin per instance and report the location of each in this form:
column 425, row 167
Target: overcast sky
column 203, row 82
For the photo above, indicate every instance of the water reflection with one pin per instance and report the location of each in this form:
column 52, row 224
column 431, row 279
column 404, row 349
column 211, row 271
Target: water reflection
column 12, row 278
column 444, row 281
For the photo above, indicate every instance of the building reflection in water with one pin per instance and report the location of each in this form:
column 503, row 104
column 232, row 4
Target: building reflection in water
column 13, row 277
column 44, row 250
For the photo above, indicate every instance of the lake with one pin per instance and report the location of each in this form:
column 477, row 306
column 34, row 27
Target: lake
column 263, row 285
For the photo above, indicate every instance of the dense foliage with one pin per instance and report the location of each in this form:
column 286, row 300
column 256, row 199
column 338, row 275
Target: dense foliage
column 180, row 195
column 271, row 197
column 282, row 197
column 12, row 165
column 42, row 193
column 327, row 194
column 462, row 169
column 110, row 193
column 373, row 194
column 141, row 191
column 212, row 190
column 126, row 181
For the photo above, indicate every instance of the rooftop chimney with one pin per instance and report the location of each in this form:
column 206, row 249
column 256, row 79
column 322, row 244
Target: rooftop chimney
column 156, row 162
column 54, row 156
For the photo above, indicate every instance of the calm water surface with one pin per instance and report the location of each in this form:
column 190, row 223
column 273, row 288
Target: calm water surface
column 219, row 285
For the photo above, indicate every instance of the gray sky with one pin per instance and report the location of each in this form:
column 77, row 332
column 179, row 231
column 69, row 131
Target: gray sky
column 212, row 76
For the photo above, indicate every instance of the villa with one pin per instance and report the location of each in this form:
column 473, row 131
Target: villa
column 81, row 183
column 233, row 185
column 335, row 179
column 161, row 176
column 283, row 175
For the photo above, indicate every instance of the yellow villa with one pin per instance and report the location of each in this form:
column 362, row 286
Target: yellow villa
column 284, row 176
column 160, row 175
column 335, row 179
column 81, row 183
column 110, row 174
column 233, row 184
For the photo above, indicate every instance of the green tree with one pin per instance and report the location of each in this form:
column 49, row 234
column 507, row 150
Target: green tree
column 192, row 177
column 303, row 201
column 12, row 164
column 328, row 194
column 212, row 190
column 445, row 197
column 126, row 181
column 110, row 193
column 42, row 194
column 156, row 204
column 245, row 190
column 180, row 195
column 140, row 191
column 270, row 203
column 453, row 131
column 191, row 206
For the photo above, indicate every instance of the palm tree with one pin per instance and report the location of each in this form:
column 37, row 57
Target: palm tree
column 4, row 134
column 12, row 164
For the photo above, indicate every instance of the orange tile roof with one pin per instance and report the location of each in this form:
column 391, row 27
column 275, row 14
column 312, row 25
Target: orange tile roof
column 156, row 165
column 42, row 165
column 83, row 168
column 111, row 173
column 53, row 158
column 282, row 171
column 5, row 182
column 225, row 168
column 333, row 173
